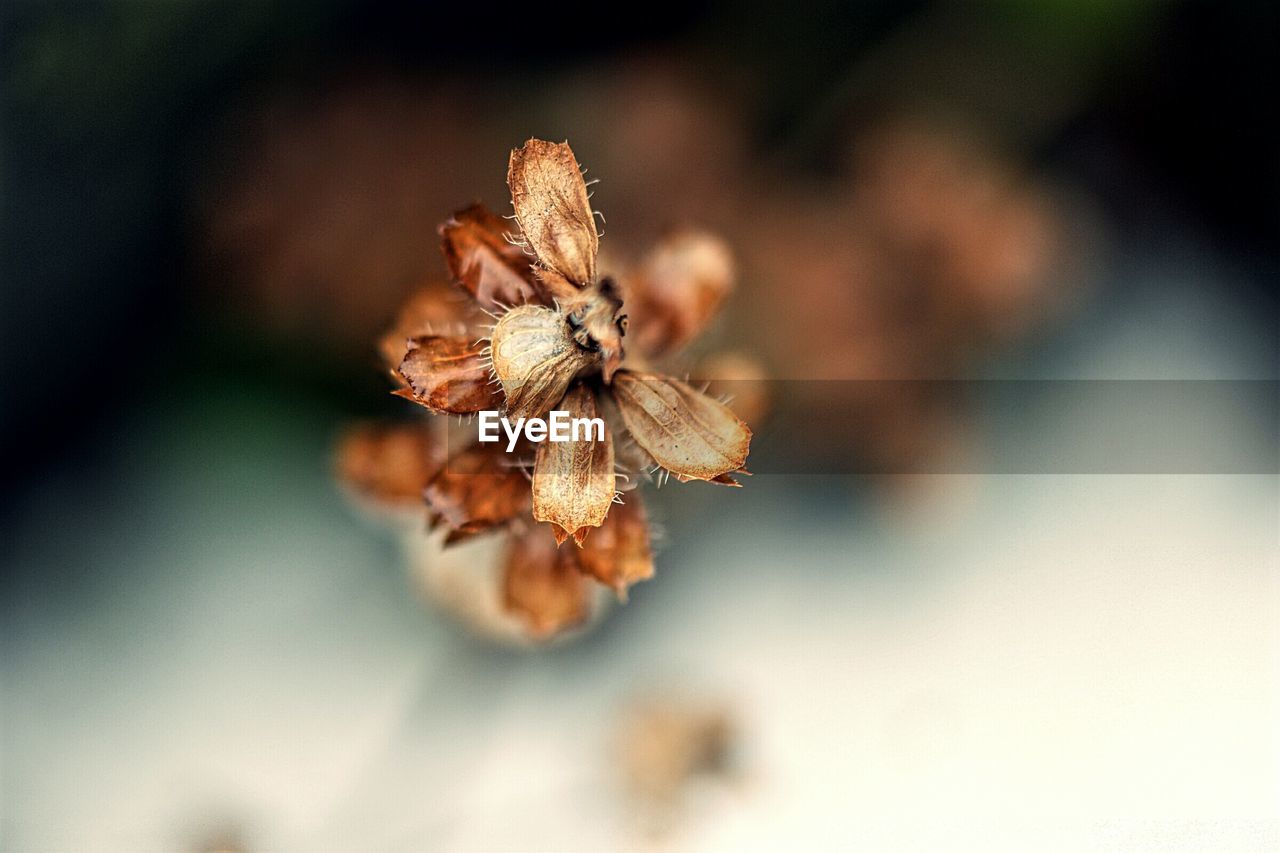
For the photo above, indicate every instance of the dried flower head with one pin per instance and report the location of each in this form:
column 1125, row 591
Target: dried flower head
column 561, row 336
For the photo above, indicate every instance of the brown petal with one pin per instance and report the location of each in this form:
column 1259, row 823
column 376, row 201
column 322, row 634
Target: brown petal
column 494, row 271
column 573, row 480
column 476, row 491
column 449, row 375
column 685, row 431
column 618, row 554
column 390, row 463
column 535, row 358
column 433, row 310
column 677, row 291
column 550, row 199
column 543, row 583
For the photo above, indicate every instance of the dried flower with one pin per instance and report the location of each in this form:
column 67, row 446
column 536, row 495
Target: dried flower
column 561, row 338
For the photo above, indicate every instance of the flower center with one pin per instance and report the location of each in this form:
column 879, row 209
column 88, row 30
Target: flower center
column 597, row 324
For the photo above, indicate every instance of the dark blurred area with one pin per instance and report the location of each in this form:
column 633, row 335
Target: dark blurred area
column 212, row 211
column 247, row 188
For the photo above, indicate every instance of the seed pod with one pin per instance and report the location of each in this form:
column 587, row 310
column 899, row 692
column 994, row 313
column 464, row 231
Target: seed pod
column 690, row 434
column 543, row 583
column 550, row 199
column 476, row 491
column 618, row 554
column 535, row 358
column 678, row 290
column 573, row 480
column 389, row 463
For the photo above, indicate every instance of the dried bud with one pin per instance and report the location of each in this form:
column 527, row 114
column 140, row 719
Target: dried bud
column 449, row 375
column 551, row 204
column 475, row 492
column 678, row 290
column 690, row 434
column 557, row 343
column 389, row 463
column 618, row 554
column 536, row 358
column 573, row 480
column 543, row 583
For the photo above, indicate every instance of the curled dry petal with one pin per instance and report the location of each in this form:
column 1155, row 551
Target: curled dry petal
column 573, row 480
column 390, row 463
column 475, row 491
column 543, row 583
column 492, row 269
column 678, row 290
column 449, row 375
column 550, row 199
column 535, row 358
column 433, row 310
column 685, row 431
column 618, row 554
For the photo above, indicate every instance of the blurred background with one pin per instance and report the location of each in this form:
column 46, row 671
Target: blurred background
column 1006, row 576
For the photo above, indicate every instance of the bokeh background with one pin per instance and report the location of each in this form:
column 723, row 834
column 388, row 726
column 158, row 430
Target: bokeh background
column 1006, row 577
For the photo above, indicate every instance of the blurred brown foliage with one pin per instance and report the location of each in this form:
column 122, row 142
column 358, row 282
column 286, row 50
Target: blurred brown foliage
column 915, row 257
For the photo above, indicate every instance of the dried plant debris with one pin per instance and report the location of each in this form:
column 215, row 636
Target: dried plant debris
column 542, row 328
column 666, row 747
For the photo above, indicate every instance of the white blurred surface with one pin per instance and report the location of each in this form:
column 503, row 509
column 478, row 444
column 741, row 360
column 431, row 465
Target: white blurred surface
column 205, row 632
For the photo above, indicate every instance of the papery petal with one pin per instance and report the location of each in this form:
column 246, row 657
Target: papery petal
column 433, row 310
column 493, row 270
column 573, row 480
column 535, row 358
column 685, row 431
column 390, row 463
column 551, row 204
column 475, row 491
column 449, row 375
column 618, row 554
column 677, row 291
column 542, row 583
